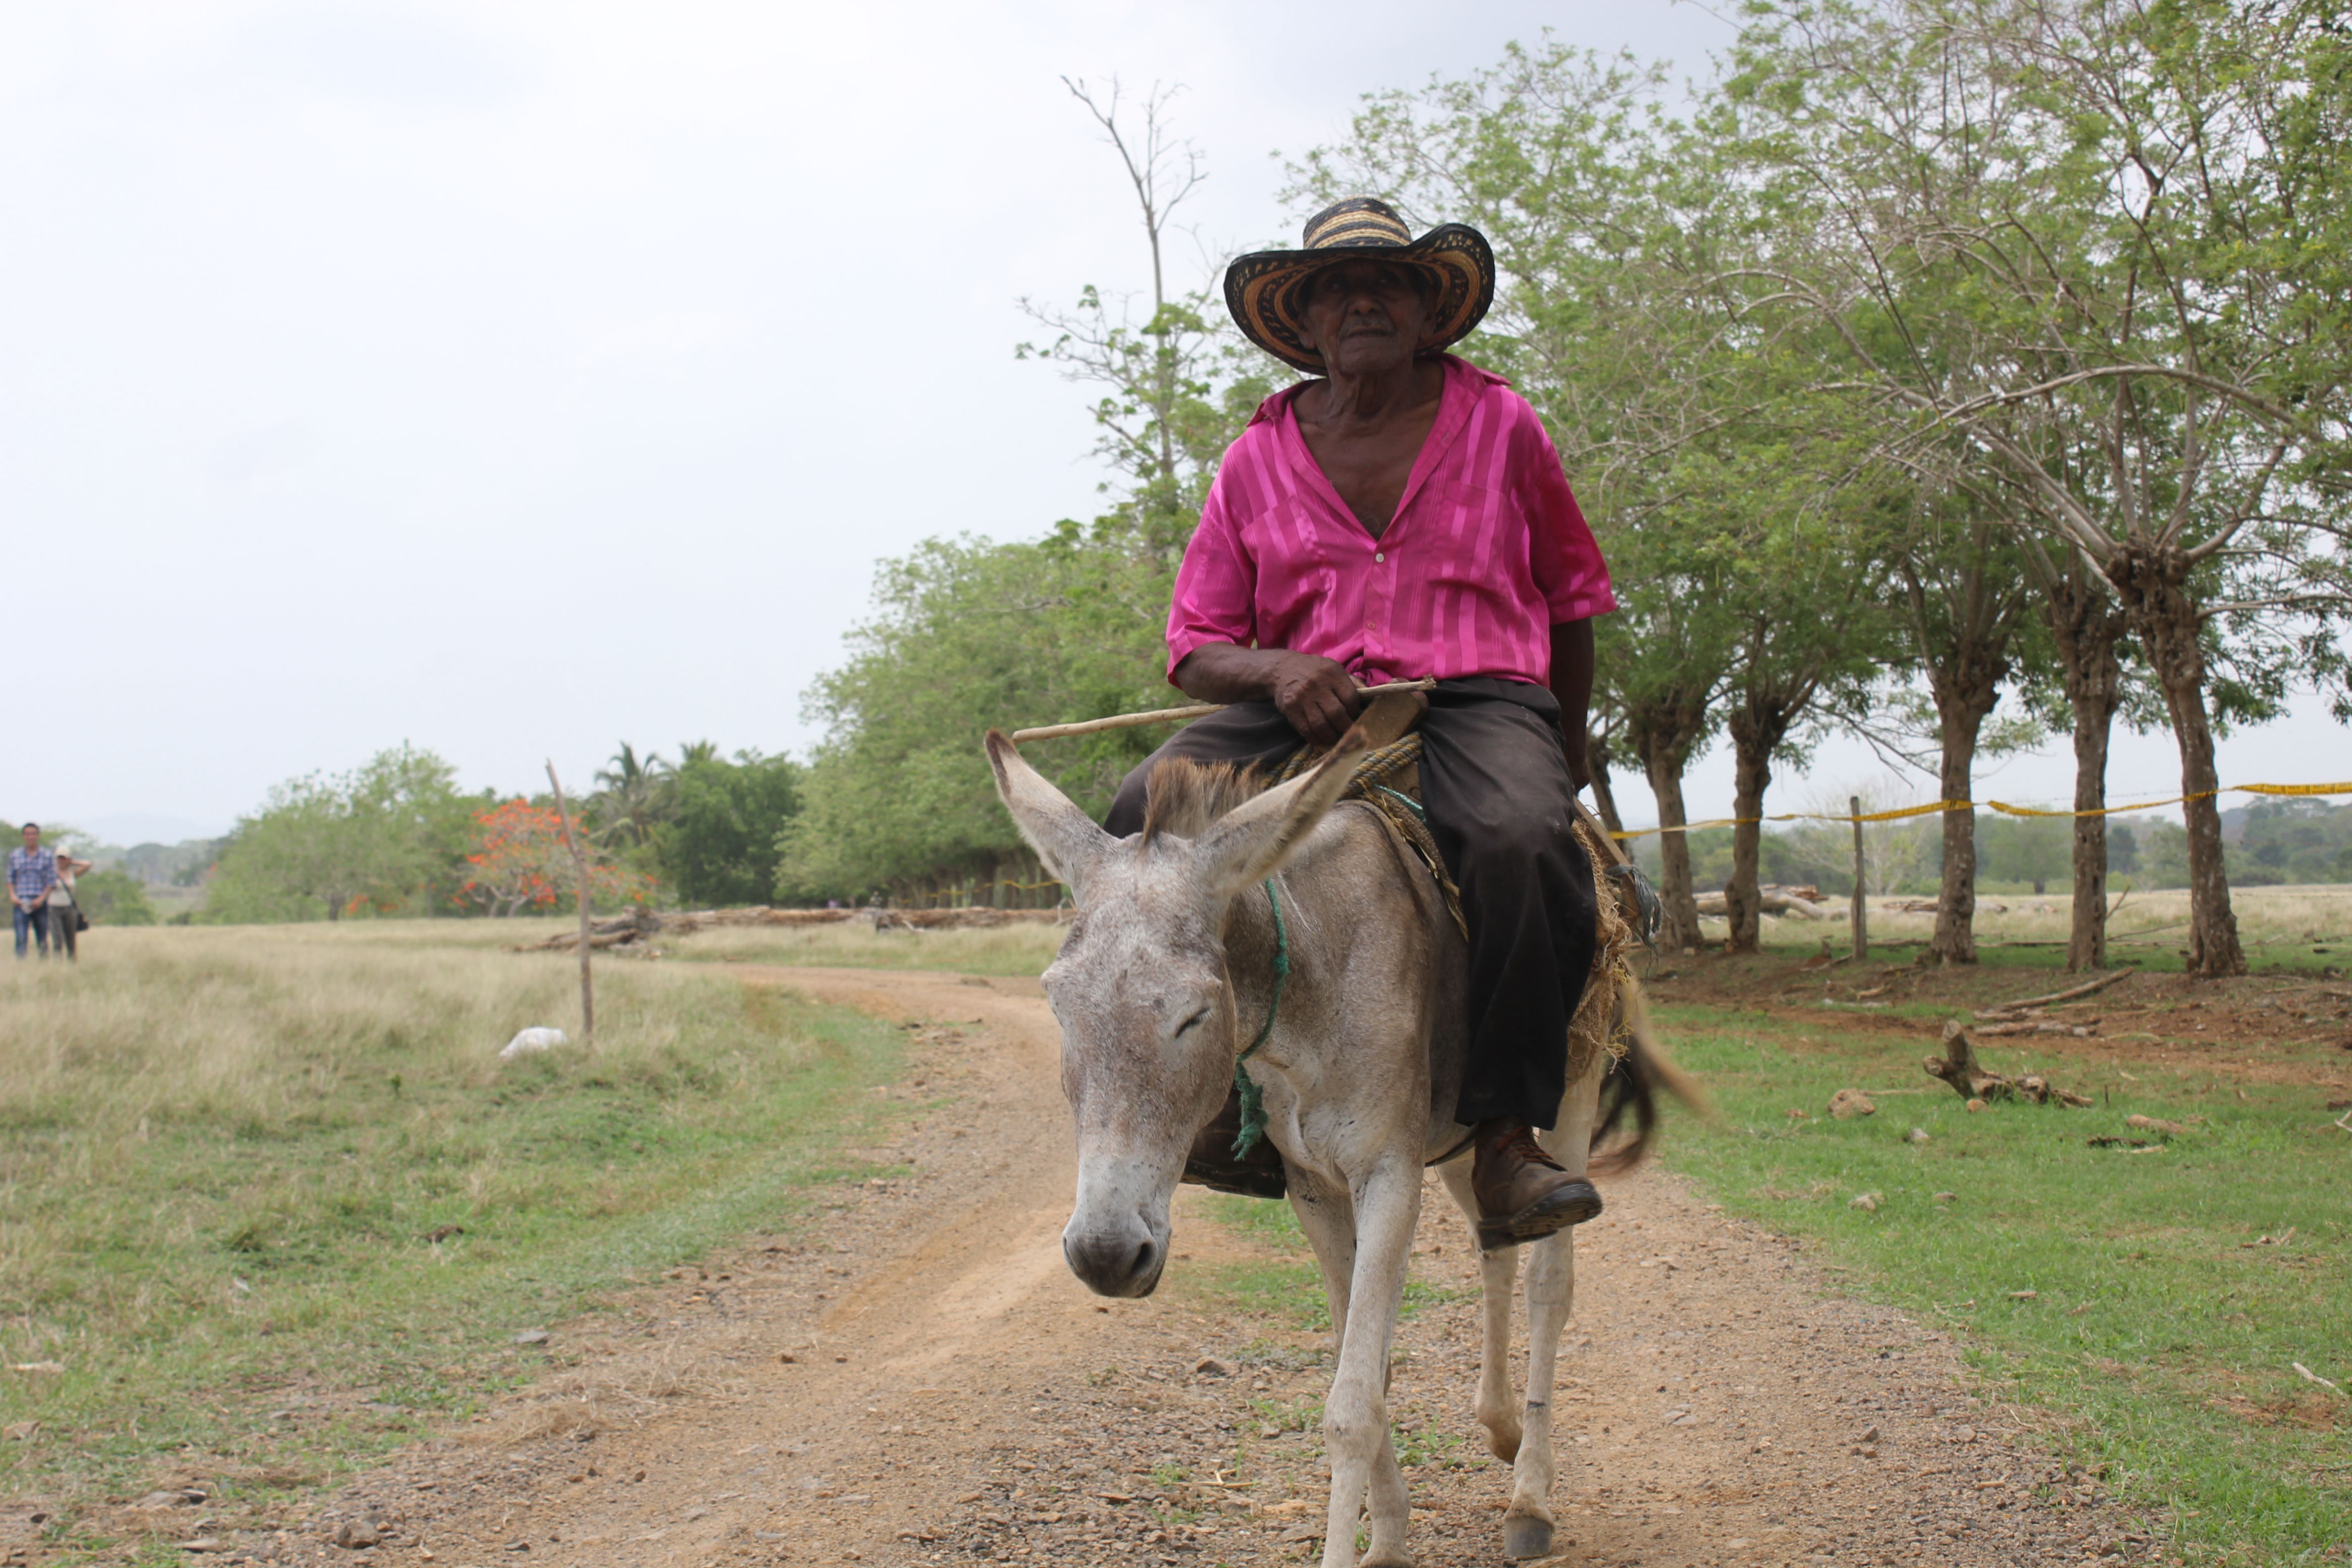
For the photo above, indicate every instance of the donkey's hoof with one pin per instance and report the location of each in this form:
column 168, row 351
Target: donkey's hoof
column 1524, row 1535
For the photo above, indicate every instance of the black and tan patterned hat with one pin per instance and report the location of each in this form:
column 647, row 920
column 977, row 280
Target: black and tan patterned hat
column 1262, row 289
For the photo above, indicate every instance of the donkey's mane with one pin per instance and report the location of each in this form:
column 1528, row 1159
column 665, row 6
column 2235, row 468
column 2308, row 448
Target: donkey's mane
column 1184, row 797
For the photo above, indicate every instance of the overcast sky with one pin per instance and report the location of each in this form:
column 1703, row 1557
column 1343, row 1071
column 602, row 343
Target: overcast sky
column 514, row 379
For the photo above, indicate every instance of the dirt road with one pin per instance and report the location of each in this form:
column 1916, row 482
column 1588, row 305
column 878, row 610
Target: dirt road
column 918, row 1380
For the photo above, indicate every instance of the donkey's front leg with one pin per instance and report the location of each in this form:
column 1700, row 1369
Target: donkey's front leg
column 1364, row 1467
column 1499, row 1271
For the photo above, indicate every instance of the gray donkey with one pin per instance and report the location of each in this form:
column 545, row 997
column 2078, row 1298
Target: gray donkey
column 1169, row 968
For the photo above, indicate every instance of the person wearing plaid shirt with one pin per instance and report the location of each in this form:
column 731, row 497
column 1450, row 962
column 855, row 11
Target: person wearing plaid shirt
column 32, row 872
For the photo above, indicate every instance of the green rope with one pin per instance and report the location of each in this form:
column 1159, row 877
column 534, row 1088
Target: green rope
column 1252, row 1097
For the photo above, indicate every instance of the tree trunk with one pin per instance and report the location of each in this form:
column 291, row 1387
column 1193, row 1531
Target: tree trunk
column 2167, row 621
column 2084, row 628
column 2093, row 693
column 1604, row 797
column 1955, row 940
column 1963, row 608
column 1664, row 765
column 1753, row 742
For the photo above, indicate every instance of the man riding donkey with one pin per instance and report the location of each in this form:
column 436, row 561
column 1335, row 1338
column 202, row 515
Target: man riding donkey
column 1405, row 518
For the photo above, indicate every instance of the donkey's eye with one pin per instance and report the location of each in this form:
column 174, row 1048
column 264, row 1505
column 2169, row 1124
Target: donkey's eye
column 1194, row 1022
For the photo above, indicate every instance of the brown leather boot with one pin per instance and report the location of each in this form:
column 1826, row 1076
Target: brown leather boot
column 1523, row 1195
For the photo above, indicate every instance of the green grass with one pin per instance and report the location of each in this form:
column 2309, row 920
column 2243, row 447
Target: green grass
column 246, row 1168
column 2164, row 1338
column 1284, row 1285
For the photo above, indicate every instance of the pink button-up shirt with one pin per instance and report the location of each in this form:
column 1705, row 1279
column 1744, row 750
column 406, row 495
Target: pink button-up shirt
column 1488, row 551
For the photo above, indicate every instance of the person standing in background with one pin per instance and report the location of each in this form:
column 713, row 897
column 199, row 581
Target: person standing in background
column 65, row 909
column 32, row 872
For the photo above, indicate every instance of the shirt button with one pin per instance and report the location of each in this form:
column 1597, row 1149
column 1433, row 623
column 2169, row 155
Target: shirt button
column 1379, row 557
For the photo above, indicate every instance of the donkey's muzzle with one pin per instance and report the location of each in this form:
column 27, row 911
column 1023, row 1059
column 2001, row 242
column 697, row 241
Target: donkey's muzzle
column 1121, row 1262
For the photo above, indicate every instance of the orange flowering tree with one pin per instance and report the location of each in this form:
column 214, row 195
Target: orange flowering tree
column 518, row 863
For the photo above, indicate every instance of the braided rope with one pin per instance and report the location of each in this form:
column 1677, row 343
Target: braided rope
column 1253, row 1098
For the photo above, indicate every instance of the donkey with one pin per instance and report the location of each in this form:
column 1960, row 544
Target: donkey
column 1170, row 966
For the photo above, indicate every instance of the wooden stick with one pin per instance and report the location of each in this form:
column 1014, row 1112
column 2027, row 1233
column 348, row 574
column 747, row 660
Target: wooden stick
column 2099, row 984
column 1171, row 715
column 587, row 945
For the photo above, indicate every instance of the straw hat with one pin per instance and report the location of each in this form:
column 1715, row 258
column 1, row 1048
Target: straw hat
column 1262, row 289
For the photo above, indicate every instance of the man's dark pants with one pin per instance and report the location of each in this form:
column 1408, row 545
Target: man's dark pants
column 1495, row 784
column 37, row 919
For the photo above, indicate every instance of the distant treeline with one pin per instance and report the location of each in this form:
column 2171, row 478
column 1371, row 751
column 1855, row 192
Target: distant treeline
column 396, row 836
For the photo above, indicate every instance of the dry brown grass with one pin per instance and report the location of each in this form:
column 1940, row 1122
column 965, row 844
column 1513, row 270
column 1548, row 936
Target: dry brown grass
column 2266, row 917
column 1023, row 949
column 239, row 1158
column 239, row 1024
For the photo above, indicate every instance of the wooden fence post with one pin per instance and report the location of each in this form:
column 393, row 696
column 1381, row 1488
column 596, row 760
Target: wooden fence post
column 1861, row 901
column 578, row 864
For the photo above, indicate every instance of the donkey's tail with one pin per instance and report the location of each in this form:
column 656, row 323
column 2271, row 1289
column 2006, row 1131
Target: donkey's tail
column 1627, row 1122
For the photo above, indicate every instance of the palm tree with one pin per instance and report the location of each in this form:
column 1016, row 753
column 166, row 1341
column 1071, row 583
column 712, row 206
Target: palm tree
column 636, row 795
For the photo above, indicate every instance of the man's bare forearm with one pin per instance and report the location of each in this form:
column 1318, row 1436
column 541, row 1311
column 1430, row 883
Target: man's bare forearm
column 1316, row 694
column 1571, row 685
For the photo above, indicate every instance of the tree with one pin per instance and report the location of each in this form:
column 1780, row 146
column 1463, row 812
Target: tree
column 719, row 847
column 1177, row 385
column 1662, row 661
column 113, row 899
column 968, row 632
column 1964, row 594
column 517, row 862
column 2103, row 244
column 388, row 835
column 634, row 797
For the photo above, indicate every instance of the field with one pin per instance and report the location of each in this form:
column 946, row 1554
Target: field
column 270, row 1192
column 2281, row 927
column 2155, row 1299
column 273, row 1201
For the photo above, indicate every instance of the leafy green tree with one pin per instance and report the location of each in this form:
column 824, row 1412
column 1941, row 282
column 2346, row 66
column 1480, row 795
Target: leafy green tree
column 2032, row 849
column 2104, row 243
column 968, row 634
column 719, row 847
column 391, row 834
column 2287, row 841
column 113, row 899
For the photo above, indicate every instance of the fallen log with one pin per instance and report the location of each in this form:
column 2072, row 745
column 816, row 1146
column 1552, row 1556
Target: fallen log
column 1771, row 901
column 1971, row 1080
column 2077, row 1027
column 638, row 925
column 615, row 931
column 2005, row 1012
column 942, row 920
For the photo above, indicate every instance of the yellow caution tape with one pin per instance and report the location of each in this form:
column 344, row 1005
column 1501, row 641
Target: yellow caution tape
column 2000, row 805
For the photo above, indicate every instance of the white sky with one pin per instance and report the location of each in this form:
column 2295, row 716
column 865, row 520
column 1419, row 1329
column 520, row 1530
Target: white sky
column 516, row 378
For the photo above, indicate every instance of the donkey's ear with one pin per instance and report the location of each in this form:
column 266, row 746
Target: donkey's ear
column 1250, row 844
column 1065, row 837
